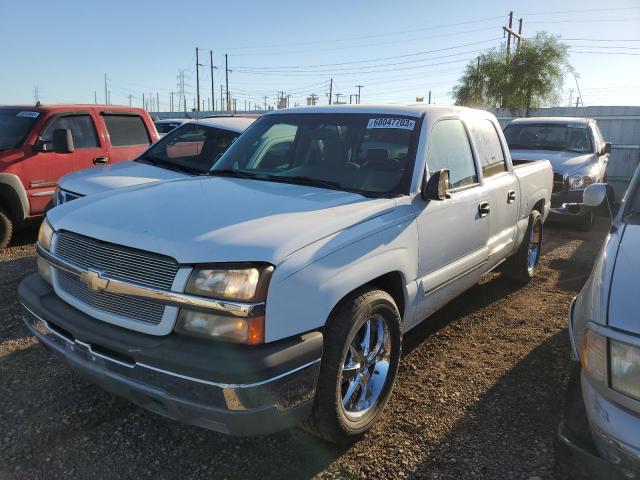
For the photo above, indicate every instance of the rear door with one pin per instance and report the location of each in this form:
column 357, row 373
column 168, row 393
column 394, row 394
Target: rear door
column 453, row 233
column 127, row 133
column 501, row 185
column 44, row 169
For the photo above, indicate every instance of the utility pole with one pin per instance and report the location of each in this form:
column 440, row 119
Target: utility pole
column 130, row 99
column 144, row 105
column 157, row 102
column 429, row 97
column 359, row 88
column 171, row 101
column 106, row 100
column 95, row 97
column 197, row 80
column 265, row 102
column 511, row 32
column 234, row 105
column 213, row 92
column 226, row 74
column 577, row 102
column 221, row 99
column 330, row 90
column 288, row 97
column 338, row 95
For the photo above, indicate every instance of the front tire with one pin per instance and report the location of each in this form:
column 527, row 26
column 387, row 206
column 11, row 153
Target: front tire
column 6, row 230
column 523, row 265
column 362, row 347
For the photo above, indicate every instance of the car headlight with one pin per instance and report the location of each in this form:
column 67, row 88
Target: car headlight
column 236, row 282
column 625, row 368
column 247, row 283
column 580, row 182
column 44, row 240
column 45, row 235
column 594, row 355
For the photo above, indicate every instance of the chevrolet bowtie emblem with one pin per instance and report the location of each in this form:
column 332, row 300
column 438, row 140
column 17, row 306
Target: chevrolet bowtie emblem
column 93, row 279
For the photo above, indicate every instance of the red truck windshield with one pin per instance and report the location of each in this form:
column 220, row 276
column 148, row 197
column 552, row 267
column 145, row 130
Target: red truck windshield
column 15, row 125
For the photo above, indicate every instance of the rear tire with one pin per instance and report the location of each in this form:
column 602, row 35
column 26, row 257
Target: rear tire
column 355, row 382
column 6, row 230
column 523, row 265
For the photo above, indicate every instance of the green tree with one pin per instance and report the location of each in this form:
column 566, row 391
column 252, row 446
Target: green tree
column 530, row 77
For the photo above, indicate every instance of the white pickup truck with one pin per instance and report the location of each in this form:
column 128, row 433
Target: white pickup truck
column 277, row 289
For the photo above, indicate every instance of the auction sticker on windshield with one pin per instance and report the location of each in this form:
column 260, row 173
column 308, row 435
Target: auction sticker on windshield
column 28, row 114
column 403, row 123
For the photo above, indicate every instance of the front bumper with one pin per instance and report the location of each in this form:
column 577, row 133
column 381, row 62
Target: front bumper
column 568, row 205
column 231, row 389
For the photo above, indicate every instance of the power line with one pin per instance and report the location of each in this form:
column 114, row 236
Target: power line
column 584, row 10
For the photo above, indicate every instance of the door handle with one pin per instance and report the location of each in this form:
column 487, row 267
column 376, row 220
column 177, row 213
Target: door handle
column 101, row 160
column 484, row 209
column 511, row 196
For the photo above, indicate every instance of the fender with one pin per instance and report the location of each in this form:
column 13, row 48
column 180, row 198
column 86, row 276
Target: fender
column 13, row 192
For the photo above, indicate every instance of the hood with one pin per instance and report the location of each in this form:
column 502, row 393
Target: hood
column 625, row 289
column 561, row 162
column 107, row 177
column 217, row 219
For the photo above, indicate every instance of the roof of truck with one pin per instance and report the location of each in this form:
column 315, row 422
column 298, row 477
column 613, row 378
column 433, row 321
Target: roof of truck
column 410, row 109
column 71, row 106
column 552, row 120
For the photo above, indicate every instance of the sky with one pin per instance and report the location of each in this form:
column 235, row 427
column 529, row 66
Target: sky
column 397, row 50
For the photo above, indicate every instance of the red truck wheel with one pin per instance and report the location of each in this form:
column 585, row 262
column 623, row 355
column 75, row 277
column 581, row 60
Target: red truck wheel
column 6, row 230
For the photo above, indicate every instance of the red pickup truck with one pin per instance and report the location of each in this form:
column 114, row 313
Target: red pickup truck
column 40, row 144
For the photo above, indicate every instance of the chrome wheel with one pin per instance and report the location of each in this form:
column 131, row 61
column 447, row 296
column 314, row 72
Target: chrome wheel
column 535, row 245
column 365, row 367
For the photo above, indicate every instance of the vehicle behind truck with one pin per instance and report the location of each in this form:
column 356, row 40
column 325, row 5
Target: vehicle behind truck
column 39, row 144
column 577, row 152
column 276, row 289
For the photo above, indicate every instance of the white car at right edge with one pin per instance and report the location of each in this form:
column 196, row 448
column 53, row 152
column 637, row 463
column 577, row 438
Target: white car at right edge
column 275, row 289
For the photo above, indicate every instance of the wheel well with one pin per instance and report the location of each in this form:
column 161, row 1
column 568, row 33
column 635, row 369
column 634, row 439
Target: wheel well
column 9, row 203
column 539, row 207
column 392, row 283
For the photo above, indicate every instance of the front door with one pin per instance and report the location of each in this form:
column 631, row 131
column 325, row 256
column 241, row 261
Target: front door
column 453, row 232
column 44, row 169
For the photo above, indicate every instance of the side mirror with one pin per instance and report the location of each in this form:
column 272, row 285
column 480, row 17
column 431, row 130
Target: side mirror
column 594, row 194
column 607, row 148
column 62, row 141
column 437, row 186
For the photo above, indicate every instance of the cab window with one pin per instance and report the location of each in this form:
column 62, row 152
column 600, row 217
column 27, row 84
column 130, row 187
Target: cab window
column 449, row 149
column 82, row 129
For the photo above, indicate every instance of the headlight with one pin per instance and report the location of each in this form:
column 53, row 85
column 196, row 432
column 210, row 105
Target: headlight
column 625, row 368
column 247, row 330
column 248, row 283
column 45, row 235
column 239, row 282
column 580, row 182
column 594, row 355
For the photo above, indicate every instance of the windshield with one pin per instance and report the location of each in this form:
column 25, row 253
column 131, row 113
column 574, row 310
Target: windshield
column 364, row 153
column 572, row 137
column 190, row 147
column 166, row 127
column 15, row 125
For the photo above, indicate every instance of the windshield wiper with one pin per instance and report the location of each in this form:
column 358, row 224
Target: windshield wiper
column 229, row 172
column 316, row 182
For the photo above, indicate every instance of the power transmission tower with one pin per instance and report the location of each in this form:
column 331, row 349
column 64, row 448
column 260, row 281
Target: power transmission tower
column 359, row 87
column 510, row 32
column 36, row 94
column 330, row 90
column 226, row 74
column 213, row 92
column 182, row 98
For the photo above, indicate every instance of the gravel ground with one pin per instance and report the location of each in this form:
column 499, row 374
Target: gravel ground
column 479, row 395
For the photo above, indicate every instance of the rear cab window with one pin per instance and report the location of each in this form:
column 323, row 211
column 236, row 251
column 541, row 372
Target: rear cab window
column 126, row 130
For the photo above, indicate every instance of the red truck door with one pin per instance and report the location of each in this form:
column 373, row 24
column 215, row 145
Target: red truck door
column 43, row 169
column 128, row 135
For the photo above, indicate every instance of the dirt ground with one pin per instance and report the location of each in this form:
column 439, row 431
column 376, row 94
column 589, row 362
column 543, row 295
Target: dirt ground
column 479, row 395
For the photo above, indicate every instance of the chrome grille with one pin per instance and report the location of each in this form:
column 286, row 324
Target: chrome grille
column 119, row 262
column 558, row 182
column 122, row 305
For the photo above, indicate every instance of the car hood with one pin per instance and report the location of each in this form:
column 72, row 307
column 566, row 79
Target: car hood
column 107, row 177
column 625, row 289
column 561, row 162
column 218, row 219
